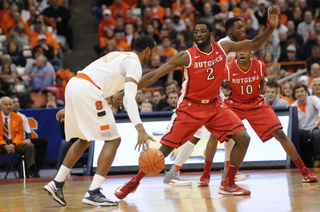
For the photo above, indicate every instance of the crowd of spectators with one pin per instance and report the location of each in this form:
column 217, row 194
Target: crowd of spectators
column 34, row 34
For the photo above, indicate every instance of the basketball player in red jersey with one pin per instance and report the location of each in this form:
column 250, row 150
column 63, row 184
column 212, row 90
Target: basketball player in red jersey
column 246, row 77
column 235, row 32
column 200, row 104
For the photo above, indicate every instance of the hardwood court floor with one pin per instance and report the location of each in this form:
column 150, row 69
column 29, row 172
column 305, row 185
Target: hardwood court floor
column 278, row 190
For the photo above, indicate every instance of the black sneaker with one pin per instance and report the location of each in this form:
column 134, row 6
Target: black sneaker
column 55, row 192
column 96, row 198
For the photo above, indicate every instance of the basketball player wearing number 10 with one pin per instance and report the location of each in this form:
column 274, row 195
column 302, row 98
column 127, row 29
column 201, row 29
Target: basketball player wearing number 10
column 246, row 77
column 88, row 116
column 199, row 103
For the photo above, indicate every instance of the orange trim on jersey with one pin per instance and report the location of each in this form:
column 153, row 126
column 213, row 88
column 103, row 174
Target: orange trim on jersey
column 105, row 127
column 303, row 107
column 84, row 76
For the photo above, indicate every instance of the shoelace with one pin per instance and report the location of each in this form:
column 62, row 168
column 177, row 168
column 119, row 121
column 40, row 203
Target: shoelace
column 59, row 192
column 177, row 175
column 99, row 197
column 131, row 184
column 305, row 172
column 205, row 175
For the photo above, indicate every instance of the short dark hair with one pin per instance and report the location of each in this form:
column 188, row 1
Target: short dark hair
column 272, row 84
column 142, row 42
column 230, row 22
column 300, row 85
column 170, row 82
column 173, row 91
column 161, row 91
column 210, row 28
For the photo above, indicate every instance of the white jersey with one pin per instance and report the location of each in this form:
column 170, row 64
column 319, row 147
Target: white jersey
column 109, row 71
column 231, row 57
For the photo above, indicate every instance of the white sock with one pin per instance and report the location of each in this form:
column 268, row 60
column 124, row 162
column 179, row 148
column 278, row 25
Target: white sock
column 62, row 173
column 96, row 182
column 184, row 153
column 227, row 150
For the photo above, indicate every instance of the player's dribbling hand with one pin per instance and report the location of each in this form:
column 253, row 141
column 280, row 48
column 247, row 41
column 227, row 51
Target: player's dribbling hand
column 143, row 138
column 273, row 16
column 60, row 115
column 117, row 100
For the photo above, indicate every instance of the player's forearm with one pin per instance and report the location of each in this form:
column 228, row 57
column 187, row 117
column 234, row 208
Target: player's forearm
column 261, row 39
column 153, row 76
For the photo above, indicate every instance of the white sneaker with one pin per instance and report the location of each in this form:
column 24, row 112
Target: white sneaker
column 96, row 198
column 174, row 178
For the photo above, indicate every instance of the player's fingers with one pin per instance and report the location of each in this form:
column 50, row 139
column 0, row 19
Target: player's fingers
column 150, row 138
column 136, row 146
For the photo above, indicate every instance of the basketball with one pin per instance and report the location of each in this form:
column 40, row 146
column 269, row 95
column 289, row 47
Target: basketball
column 151, row 161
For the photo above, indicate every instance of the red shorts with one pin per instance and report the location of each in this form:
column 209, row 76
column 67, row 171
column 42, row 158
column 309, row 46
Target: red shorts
column 190, row 116
column 259, row 114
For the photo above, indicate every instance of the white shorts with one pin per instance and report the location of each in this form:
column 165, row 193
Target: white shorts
column 202, row 133
column 87, row 114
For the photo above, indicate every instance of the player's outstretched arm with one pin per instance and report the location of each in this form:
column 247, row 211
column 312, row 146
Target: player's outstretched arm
column 180, row 59
column 258, row 41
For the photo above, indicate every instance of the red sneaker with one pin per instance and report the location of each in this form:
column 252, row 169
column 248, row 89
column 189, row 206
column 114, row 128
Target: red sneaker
column 204, row 179
column 308, row 177
column 226, row 188
column 130, row 187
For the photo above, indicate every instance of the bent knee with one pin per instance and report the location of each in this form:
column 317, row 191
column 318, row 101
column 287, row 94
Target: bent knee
column 279, row 134
column 242, row 138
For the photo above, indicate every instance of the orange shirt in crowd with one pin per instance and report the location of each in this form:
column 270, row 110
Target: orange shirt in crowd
column 283, row 97
column 118, row 10
column 47, row 20
column 7, row 22
column 130, row 3
column 122, row 46
column 303, row 107
column 182, row 6
column 220, row 2
column 291, row 101
column 191, row 16
column 159, row 14
column 131, row 20
column 50, row 40
column 103, row 41
column 103, row 24
column 310, row 81
column 170, row 52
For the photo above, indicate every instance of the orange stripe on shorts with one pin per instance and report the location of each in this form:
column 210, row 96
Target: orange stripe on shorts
column 105, row 127
column 84, row 76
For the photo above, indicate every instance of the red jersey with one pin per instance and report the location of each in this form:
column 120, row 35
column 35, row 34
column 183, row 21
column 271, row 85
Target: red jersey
column 245, row 83
column 204, row 74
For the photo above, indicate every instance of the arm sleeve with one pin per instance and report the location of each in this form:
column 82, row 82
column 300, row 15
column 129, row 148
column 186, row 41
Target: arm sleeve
column 131, row 67
column 129, row 102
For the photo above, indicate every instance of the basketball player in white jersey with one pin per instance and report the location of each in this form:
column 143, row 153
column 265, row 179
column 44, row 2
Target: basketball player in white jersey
column 88, row 116
column 235, row 32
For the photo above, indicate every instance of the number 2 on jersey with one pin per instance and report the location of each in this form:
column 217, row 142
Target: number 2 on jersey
column 210, row 75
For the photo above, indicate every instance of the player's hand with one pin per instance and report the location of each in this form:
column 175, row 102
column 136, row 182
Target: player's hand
column 143, row 139
column 273, row 18
column 60, row 115
column 117, row 100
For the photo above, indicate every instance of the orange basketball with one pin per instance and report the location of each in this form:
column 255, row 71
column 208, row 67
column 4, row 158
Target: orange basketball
column 151, row 161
